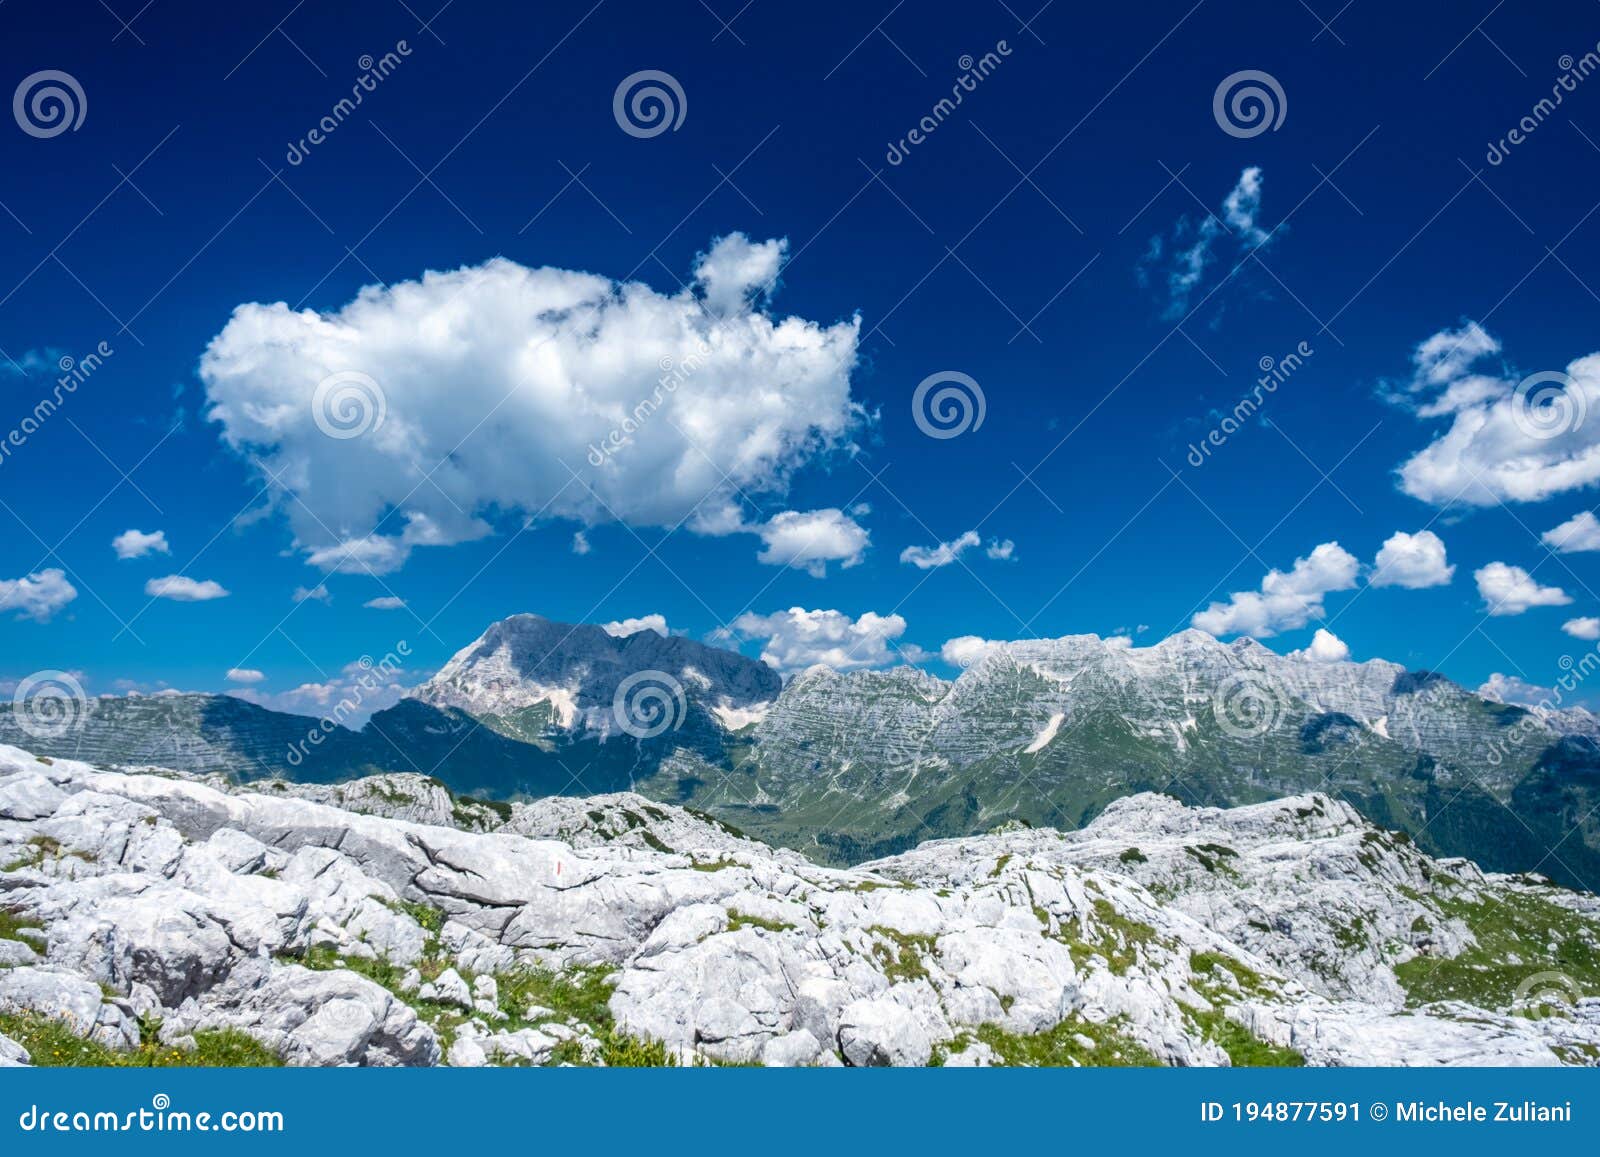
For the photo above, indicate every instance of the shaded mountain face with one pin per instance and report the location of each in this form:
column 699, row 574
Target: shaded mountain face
column 847, row 767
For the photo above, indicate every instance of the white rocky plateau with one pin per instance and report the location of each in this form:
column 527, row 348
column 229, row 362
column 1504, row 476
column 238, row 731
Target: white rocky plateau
column 152, row 902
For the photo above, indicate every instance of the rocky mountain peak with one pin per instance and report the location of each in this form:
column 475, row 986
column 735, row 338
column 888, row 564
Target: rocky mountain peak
column 577, row 668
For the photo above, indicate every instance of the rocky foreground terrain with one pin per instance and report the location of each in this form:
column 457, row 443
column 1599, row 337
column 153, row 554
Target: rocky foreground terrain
column 158, row 918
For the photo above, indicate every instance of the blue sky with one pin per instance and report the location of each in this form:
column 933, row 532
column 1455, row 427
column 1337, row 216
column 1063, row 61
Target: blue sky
column 1030, row 241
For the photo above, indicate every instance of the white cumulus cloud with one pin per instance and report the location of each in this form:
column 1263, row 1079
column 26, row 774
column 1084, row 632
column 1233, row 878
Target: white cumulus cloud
column 1510, row 689
column 1413, row 561
column 137, row 543
column 1581, row 532
column 1510, row 590
column 795, row 639
column 622, row 628
column 809, row 540
column 38, row 596
column 1326, row 647
column 182, row 589
column 245, row 675
column 316, row 594
column 498, row 383
column 349, row 699
column 385, row 603
column 1509, row 439
column 1584, row 628
column 1287, row 600
column 965, row 650
column 945, row 553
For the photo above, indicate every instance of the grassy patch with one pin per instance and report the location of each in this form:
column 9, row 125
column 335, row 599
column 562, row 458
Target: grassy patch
column 738, row 920
column 1116, row 938
column 714, row 865
column 1244, row 1048
column 1133, row 856
column 12, row 922
column 902, row 957
column 999, row 866
column 1540, row 936
column 1109, row 1047
column 51, row 1043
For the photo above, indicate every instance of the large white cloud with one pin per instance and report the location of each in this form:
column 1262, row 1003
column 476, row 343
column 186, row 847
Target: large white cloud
column 1512, row 437
column 1413, row 561
column 38, row 596
column 1286, row 600
column 1581, row 532
column 438, row 403
column 1510, row 590
column 795, row 639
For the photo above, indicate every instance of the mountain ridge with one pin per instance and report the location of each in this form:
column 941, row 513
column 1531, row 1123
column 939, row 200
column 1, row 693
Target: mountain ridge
column 848, row 766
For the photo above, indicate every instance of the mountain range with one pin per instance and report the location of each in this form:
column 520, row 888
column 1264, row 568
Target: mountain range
column 852, row 766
